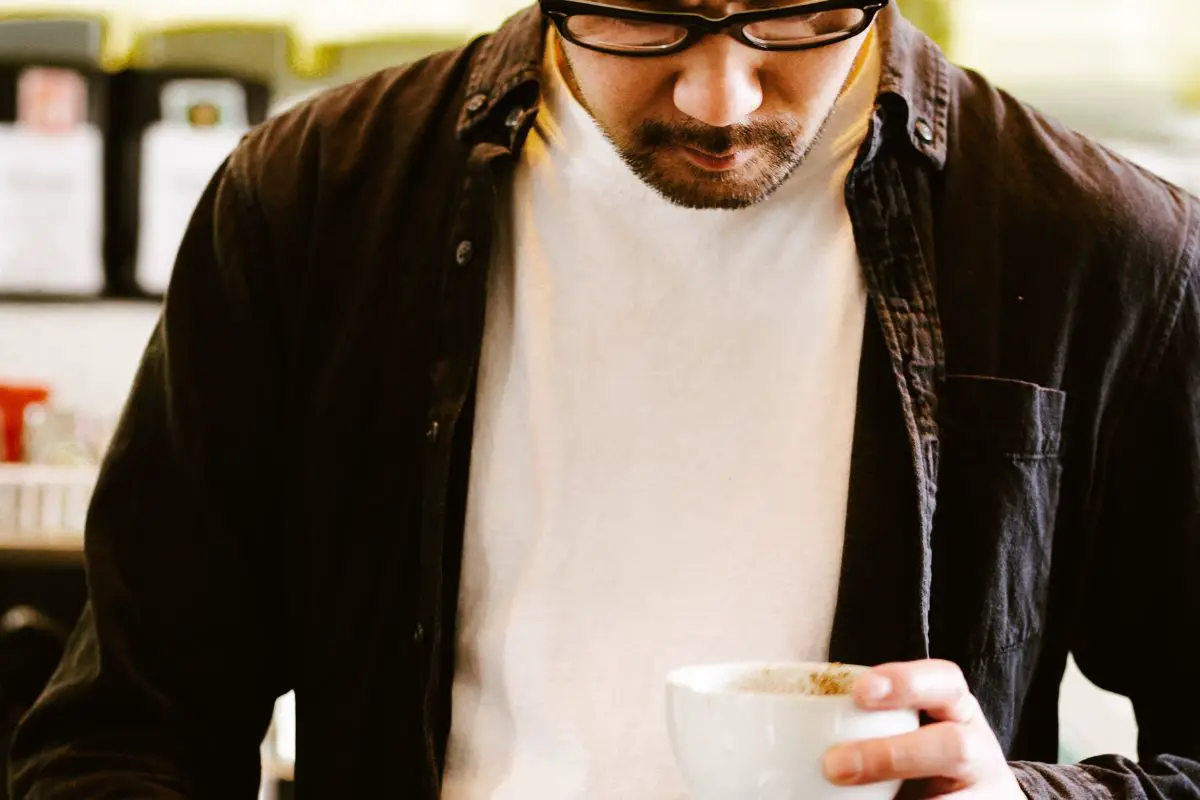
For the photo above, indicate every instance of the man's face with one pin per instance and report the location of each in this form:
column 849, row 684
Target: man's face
column 719, row 125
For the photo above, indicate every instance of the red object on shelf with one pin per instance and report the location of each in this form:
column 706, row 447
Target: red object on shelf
column 13, row 402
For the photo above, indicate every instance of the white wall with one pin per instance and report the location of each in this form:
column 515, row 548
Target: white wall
column 87, row 353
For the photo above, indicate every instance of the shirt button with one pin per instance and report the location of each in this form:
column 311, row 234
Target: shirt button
column 924, row 131
column 434, row 430
column 419, row 634
column 464, row 253
column 476, row 103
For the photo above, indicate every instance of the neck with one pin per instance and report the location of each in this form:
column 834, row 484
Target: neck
column 565, row 69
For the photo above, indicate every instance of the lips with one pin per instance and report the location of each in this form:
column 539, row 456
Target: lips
column 712, row 162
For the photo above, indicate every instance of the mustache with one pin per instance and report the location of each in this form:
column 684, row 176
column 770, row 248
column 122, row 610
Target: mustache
column 777, row 137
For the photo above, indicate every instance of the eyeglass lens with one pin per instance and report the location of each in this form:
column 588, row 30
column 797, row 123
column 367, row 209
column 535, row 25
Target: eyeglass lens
column 630, row 34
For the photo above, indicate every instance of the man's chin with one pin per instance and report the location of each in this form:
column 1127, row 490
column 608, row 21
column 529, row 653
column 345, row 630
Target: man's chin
column 695, row 188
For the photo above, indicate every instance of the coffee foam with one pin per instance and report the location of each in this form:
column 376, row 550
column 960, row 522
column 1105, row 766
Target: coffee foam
column 834, row 680
column 781, row 678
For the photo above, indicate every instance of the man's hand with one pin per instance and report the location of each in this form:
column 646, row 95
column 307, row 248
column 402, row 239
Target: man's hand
column 957, row 756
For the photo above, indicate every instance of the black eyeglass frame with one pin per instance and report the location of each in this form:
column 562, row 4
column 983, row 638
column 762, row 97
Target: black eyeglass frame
column 697, row 26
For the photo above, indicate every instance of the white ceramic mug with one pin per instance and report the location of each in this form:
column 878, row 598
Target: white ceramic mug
column 736, row 744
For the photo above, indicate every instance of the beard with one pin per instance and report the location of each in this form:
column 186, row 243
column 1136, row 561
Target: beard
column 652, row 152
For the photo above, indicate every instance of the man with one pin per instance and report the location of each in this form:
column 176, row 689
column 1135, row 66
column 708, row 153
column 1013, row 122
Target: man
column 644, row 333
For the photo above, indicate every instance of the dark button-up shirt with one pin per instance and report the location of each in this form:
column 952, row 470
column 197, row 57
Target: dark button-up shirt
column 283, row 504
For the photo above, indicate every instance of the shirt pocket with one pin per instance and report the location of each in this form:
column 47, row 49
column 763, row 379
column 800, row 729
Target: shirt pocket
column 998, row 487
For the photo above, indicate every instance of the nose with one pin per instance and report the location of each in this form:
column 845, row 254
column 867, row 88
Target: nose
column 719, row 83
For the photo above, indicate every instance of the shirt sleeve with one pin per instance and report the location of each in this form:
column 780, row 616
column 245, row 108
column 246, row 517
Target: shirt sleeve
column 169, row 680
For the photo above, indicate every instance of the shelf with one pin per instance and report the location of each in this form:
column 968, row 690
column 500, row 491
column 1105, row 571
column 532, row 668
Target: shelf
column 311, row 34
column 53, row 299
column 41, row 474
column 53, row 551
column 44, row 509
column 115, row 39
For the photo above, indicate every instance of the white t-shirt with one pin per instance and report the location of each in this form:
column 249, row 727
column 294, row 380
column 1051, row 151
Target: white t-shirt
column 661, row 458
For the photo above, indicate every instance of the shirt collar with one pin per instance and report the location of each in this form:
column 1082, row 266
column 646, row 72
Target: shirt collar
column 917, row 74
column 506, row 74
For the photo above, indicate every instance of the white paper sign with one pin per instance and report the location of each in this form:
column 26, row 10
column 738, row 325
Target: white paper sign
column 178, row 162
column 51, row 210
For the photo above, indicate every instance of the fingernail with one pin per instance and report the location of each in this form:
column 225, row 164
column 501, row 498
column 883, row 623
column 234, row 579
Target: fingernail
column 876, row 688
column 843, row 765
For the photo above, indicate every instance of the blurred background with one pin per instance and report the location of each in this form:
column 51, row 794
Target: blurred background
column 114, row 114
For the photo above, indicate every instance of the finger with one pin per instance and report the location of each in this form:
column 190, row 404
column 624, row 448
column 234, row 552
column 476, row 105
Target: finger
column 935, row 687
column 947, row 750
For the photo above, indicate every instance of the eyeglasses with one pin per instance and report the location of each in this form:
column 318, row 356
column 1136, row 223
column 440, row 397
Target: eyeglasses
column 621, row 27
